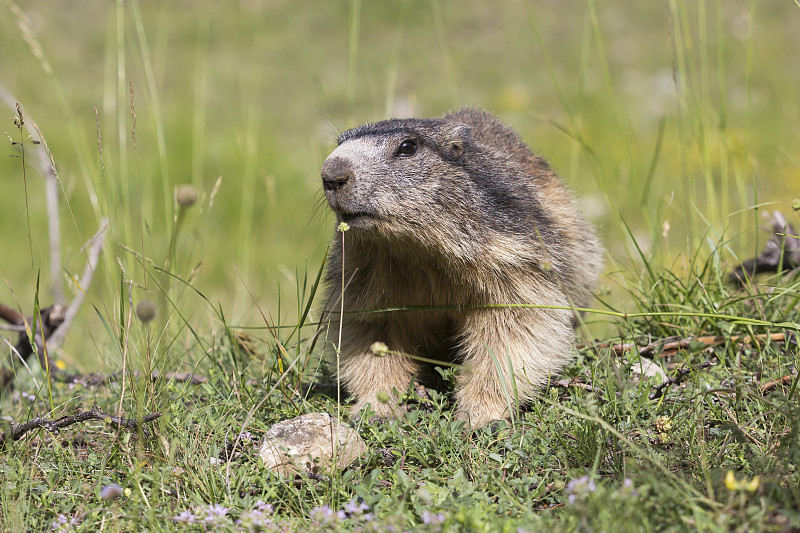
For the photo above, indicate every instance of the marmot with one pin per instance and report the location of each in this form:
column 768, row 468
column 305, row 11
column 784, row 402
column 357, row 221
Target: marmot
column 455, row 214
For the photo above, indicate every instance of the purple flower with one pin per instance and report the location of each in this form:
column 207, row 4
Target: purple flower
column 326, row 515
column 251, row 519
column 579, row 487
column 63, row 524
column 213, row 513
column 185, row 516
column 208, row 514
column 627, row 488
column 263, row 507
column 430, row 519
column 354, row 508
column 257, row 517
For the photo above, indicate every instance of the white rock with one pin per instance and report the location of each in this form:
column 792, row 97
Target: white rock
column 645, row 368
column 308, row 442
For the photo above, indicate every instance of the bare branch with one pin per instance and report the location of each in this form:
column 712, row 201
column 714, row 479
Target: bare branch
column 95, row 244
column 98, row 378
column 17, row 431
column 11, row 315
column 51, row 184
column 54, row 321
column 775, row 383
column 50, row 318
column 780, row 253
column 666, row 347
column 574, row 383
column 659, row 390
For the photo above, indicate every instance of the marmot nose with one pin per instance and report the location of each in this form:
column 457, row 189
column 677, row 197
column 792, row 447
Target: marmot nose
column 336, row 173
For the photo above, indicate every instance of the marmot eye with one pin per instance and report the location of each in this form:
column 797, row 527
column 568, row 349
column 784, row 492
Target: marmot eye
column 407, row 147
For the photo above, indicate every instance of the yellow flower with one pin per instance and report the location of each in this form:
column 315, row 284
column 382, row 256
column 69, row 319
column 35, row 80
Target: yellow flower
column 730, row 481
column 744, row 485
column 379, row 348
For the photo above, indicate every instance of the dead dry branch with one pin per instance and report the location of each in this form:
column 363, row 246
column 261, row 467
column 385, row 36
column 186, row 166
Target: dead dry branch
column 17, row 431
column 781, row 253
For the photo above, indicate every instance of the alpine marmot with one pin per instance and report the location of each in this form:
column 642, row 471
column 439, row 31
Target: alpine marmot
column 455, row 221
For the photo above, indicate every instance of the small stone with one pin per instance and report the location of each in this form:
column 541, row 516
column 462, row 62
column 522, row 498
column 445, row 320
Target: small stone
column 644, row 369
column 308, row 443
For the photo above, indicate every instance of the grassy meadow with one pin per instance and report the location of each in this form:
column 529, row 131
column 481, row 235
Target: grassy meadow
column 675, row 122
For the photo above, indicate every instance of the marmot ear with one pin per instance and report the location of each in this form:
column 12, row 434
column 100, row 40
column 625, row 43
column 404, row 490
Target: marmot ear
column 456, row 139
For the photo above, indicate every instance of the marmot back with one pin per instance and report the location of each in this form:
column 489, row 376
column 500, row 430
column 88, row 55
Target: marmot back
column 454, row 214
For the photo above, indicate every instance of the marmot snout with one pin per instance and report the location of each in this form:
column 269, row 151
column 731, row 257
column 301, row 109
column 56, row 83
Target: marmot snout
column 455, row 214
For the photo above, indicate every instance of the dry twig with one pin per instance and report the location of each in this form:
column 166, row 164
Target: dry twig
column 50, row 318
column 17, row 431
column 775, row 383
column 659, row 390
column 94, row 245
column 574, row 383
column 98, row 378
column 56, row 319
column 51, row 327
column 780, row 253
column 667, row 347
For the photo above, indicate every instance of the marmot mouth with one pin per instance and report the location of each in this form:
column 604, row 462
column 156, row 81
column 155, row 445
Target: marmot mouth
column 354, row 218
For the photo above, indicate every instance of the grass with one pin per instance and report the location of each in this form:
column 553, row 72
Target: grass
column 576, row 460
column 676, row 124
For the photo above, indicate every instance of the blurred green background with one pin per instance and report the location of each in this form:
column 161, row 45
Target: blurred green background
column 673, row 118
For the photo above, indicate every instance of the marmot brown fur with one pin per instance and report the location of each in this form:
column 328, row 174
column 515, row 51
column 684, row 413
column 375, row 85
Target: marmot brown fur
column 455, row 214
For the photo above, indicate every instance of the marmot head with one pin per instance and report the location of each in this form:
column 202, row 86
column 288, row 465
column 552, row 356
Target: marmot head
column 392, row 176
column 462, row 185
